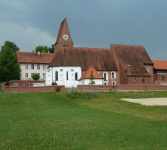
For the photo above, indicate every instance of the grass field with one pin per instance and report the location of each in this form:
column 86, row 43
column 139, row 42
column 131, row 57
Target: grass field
column 54, row 121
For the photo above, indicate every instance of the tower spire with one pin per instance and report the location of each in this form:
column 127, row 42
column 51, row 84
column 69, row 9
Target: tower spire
column 64, row 38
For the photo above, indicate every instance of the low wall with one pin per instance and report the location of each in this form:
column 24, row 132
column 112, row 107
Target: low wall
column 26, row 82
column 125, row 87
column 24, row 88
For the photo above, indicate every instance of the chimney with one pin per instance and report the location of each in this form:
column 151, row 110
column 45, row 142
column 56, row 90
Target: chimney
column 38, row 53
column 129, row 69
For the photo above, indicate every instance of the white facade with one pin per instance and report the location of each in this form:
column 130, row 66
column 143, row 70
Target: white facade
column 87, row 81
column 66, row 75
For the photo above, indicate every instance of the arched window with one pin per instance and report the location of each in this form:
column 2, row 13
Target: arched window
column 76, row 76
column 67, row 75
column 113, row 75
column 134, row 80
column 56, row 76
column 143, row 80
column 105, row 76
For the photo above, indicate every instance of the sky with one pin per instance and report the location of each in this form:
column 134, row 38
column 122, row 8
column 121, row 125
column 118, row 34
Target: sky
column 92, row 23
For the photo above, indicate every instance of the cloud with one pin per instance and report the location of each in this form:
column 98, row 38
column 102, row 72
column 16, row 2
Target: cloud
column 27, row 39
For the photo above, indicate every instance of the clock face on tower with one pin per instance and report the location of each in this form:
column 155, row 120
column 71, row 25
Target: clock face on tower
column 65, row 37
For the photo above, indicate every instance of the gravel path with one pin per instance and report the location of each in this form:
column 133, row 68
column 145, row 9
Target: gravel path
column 148, row 101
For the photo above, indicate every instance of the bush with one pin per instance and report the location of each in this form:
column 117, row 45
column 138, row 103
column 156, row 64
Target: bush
column 35, row 76
column 54, row 83
column 58, row 88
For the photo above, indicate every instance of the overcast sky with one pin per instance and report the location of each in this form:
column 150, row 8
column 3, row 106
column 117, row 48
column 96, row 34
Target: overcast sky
column 92, row 23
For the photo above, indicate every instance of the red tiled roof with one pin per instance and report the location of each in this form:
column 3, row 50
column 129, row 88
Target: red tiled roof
column 160, row 64
column 87, row 73
column 32, row 57
column 136, row 56
column 100, row 59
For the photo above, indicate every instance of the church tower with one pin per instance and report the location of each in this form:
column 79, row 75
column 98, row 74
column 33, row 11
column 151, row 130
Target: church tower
column 64, row 38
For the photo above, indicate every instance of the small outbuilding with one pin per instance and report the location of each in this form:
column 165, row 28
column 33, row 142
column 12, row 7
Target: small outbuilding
column 85, row 78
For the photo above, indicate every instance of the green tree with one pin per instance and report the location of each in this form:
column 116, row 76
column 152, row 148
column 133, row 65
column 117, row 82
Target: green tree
column 42, row 49
column 51, row 50
column 11, row 45
column 9, row 68
column 35, row 76
column 91, row 82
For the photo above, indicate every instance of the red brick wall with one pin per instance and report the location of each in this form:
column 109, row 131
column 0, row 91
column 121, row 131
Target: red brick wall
column 125, row 87
column 139, row 80
column 151, row 72
column 158, row 78
column 24, row 88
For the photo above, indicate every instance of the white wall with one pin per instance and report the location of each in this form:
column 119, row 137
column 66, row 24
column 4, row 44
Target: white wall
column 62, row 80
column 86, row 81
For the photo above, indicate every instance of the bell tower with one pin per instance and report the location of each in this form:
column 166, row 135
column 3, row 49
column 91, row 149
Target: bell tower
column 64, row 38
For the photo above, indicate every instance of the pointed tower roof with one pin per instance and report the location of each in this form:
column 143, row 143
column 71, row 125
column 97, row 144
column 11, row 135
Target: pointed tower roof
column 64, row 30
column 87, row 73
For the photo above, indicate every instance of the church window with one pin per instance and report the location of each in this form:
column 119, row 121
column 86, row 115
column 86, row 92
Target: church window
column 64, row 46
column 163, row 78
column 113, row 83
column 134, row 80
column 67, row 75
column 143, row 80
column 105, row 75
column 56, row 76
column 76, row 76
column 113, row 75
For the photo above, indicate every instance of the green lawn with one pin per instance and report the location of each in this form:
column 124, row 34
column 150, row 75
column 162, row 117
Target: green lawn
column 55, row 121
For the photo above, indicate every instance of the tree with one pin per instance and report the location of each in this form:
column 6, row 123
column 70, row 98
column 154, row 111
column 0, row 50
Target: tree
column 9, row 68
column 91, row 82
column 11, row 45
column 35, row 76
column 42, row 49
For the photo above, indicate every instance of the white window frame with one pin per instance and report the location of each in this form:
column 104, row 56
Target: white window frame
column 27, row 75
column 44, row 75
column 26, row 66
column 33, row 66
column 43, row 67
column 106, row 76
column 32, row 74
column 114, row 82
column 38, row 66
column 114, row 75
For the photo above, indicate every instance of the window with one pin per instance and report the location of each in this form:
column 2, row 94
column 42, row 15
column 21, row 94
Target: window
column 113, row 75
column 32, row 66
column 124, row 80
column 67, row 75
column 56, row 76
column 143, row 80
column 26, row 75
column 134, row 80
column 44, row 75
column 113, row 83
column 76, row 76
column 105, row 75
column 26, row 66
column 32, row 74
column 38, row 74
column 38, row 66
column 44, row 67
column 163, row 78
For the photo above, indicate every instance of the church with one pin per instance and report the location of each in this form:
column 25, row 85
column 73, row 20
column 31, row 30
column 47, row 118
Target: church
column 120, row 64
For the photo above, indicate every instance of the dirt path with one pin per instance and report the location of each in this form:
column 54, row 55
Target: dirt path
column 148, row 101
